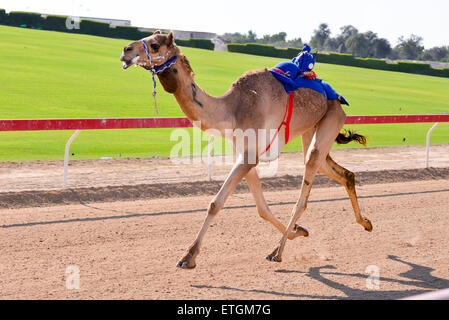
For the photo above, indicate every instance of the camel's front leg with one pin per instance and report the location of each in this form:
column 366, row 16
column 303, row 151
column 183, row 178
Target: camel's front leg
column 240, row 169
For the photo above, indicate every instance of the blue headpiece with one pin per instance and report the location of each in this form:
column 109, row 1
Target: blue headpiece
column 305, row 60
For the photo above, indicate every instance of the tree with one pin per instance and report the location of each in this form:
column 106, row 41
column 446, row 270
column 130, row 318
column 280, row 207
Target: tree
column 370, row 36
column 320, row 36
column 295, row 43
column 234, row 37
column 410, row 48
column 358, row 45
column 347, row 31
column 237, row 37
column 377, row 47
column 252, row 36
column 275, row 38
column 279, row 37
column 332, row 44
column 436, row 53
column 381, row 48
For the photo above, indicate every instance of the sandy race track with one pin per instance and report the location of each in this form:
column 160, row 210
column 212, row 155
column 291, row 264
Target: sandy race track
column 124, row 224
column 47, row 175
column 128, row 250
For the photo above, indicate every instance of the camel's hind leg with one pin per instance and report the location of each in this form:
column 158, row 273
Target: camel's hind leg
column 326, row 132
column 334, row 171
column 252, row 178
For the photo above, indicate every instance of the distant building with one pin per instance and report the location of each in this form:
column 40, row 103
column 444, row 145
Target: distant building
column 112, row 22
column 179, row 34
column 182, row 34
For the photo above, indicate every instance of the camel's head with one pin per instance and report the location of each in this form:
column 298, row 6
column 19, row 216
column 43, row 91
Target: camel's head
column 168, row 62
column 161, row 47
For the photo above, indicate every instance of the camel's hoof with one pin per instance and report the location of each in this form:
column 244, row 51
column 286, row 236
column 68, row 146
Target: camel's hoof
column 367, row 225
column 186, row 263
column 274, row 257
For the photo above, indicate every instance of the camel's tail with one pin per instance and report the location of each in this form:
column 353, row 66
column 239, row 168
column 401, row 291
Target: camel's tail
column 349, row 136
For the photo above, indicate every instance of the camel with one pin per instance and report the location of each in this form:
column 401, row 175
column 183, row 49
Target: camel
column 255, row 101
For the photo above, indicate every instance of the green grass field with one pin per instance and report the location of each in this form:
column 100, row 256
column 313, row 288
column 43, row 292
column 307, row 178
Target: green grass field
column 45, row 74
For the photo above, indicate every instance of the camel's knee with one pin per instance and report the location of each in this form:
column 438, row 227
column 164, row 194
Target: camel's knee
column 350, row 179
column 214, row 207
column 264, row 213
column 314, row 154
column 313, row 158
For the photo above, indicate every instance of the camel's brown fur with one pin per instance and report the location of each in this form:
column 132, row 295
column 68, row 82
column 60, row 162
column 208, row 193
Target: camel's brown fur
column 255, row 101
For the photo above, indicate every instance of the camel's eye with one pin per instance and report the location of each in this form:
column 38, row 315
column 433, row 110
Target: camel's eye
column 155, row 46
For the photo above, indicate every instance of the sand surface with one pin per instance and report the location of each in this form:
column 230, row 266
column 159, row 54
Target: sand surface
column 123, row 224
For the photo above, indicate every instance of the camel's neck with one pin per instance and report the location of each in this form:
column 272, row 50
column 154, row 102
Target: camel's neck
column 197, row 105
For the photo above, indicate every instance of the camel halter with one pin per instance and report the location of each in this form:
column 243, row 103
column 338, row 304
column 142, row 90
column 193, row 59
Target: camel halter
column 157, row 69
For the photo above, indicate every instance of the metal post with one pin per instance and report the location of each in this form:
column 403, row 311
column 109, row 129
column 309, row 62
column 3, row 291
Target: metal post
column 209, row 158
column 66, row 156
column 428, row 143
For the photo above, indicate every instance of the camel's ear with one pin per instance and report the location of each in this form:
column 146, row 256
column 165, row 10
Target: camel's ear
column 157, row 32
column 170, row 39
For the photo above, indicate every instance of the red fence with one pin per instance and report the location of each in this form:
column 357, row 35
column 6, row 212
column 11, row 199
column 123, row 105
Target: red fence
column 421, row 118
column 149, row 123
column 91, row 124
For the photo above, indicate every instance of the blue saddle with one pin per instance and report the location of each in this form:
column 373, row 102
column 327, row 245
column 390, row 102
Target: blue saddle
column 290, row 74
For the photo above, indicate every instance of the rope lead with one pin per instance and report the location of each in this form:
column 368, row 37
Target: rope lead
column 157, row 69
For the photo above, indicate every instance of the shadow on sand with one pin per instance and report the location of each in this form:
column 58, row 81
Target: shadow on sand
column 418, row 277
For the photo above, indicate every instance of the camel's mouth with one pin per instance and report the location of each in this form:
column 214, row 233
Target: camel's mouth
column 125, row 65
column 128, row 63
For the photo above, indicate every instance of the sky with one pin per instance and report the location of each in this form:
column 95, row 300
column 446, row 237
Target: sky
column 390, row 19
